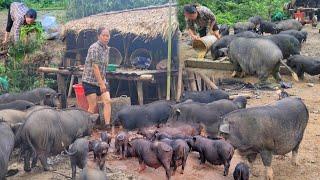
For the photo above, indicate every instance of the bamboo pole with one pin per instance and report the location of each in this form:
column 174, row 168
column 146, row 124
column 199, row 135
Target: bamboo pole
column 179, row 86
column 169, row 52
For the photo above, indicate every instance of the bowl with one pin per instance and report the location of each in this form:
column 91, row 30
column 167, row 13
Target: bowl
column 112, row 67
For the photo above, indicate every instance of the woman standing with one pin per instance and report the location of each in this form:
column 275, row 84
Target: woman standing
column 93, row 78
column 203, row 18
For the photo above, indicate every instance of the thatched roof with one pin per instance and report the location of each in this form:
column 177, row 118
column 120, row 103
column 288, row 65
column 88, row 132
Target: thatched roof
column 148, row 22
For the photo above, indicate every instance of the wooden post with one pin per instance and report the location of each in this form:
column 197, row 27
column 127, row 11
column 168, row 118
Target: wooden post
column 173, row 87
column 179, row 84
column 199, row 82
column 207, row 80
column 78, row 59
column 159, row 92
column 70, row 86
column 42, row 79
column 62, row 90
column 140, row 92
column 192, row 81
column 169, row 52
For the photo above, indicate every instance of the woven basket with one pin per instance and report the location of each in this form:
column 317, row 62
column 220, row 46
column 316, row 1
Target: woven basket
column 115, row 56
column 141, row 52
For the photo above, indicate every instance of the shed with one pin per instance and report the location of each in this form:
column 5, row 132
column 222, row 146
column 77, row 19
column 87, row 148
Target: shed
column 134, row 31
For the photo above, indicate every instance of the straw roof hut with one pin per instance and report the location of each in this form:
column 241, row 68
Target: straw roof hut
column 148, row 22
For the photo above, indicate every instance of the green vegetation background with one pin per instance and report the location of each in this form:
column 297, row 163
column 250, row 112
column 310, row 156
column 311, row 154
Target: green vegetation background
column 231, row 11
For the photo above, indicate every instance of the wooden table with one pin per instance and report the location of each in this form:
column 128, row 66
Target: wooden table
column 138, row 76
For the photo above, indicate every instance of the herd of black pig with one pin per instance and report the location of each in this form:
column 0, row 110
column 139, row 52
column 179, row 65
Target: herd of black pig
column 206, row 122
column 253, row 53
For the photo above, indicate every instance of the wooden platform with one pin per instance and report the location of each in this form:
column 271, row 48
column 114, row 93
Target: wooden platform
column 135, row 75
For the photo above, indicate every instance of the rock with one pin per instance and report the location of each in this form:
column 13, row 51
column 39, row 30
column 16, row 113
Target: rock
column 310, row 84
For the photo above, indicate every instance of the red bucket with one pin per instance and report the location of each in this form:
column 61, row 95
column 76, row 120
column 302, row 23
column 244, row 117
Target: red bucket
column 81, row 98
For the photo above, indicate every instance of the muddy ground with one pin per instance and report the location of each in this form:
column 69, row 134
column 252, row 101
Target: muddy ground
column 309, row 158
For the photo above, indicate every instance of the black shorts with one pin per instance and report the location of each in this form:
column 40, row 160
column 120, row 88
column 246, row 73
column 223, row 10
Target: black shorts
column 92, row 89
column 203, row 31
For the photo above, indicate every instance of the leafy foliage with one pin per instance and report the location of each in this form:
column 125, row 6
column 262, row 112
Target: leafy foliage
column 36, row 27
column 20, row 73
column 231, row 11
column 37, row 4
column 40, row 4
column 4, row 3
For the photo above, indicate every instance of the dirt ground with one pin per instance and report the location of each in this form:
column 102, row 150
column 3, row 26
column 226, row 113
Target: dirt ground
column 309, row 158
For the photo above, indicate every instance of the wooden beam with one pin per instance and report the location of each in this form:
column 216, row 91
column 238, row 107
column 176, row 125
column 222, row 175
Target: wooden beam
column 179, row 84
column 146, row 77
column 70, row 86
column 140, row 92
column 198, row 78
column 208, row 64
column 59, row 71
column 207, row 80
column 62, row 90
column 192, row 81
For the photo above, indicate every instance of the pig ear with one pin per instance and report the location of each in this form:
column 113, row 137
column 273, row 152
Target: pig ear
column 178, row 111
column 48, row 95
column 194, row 139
